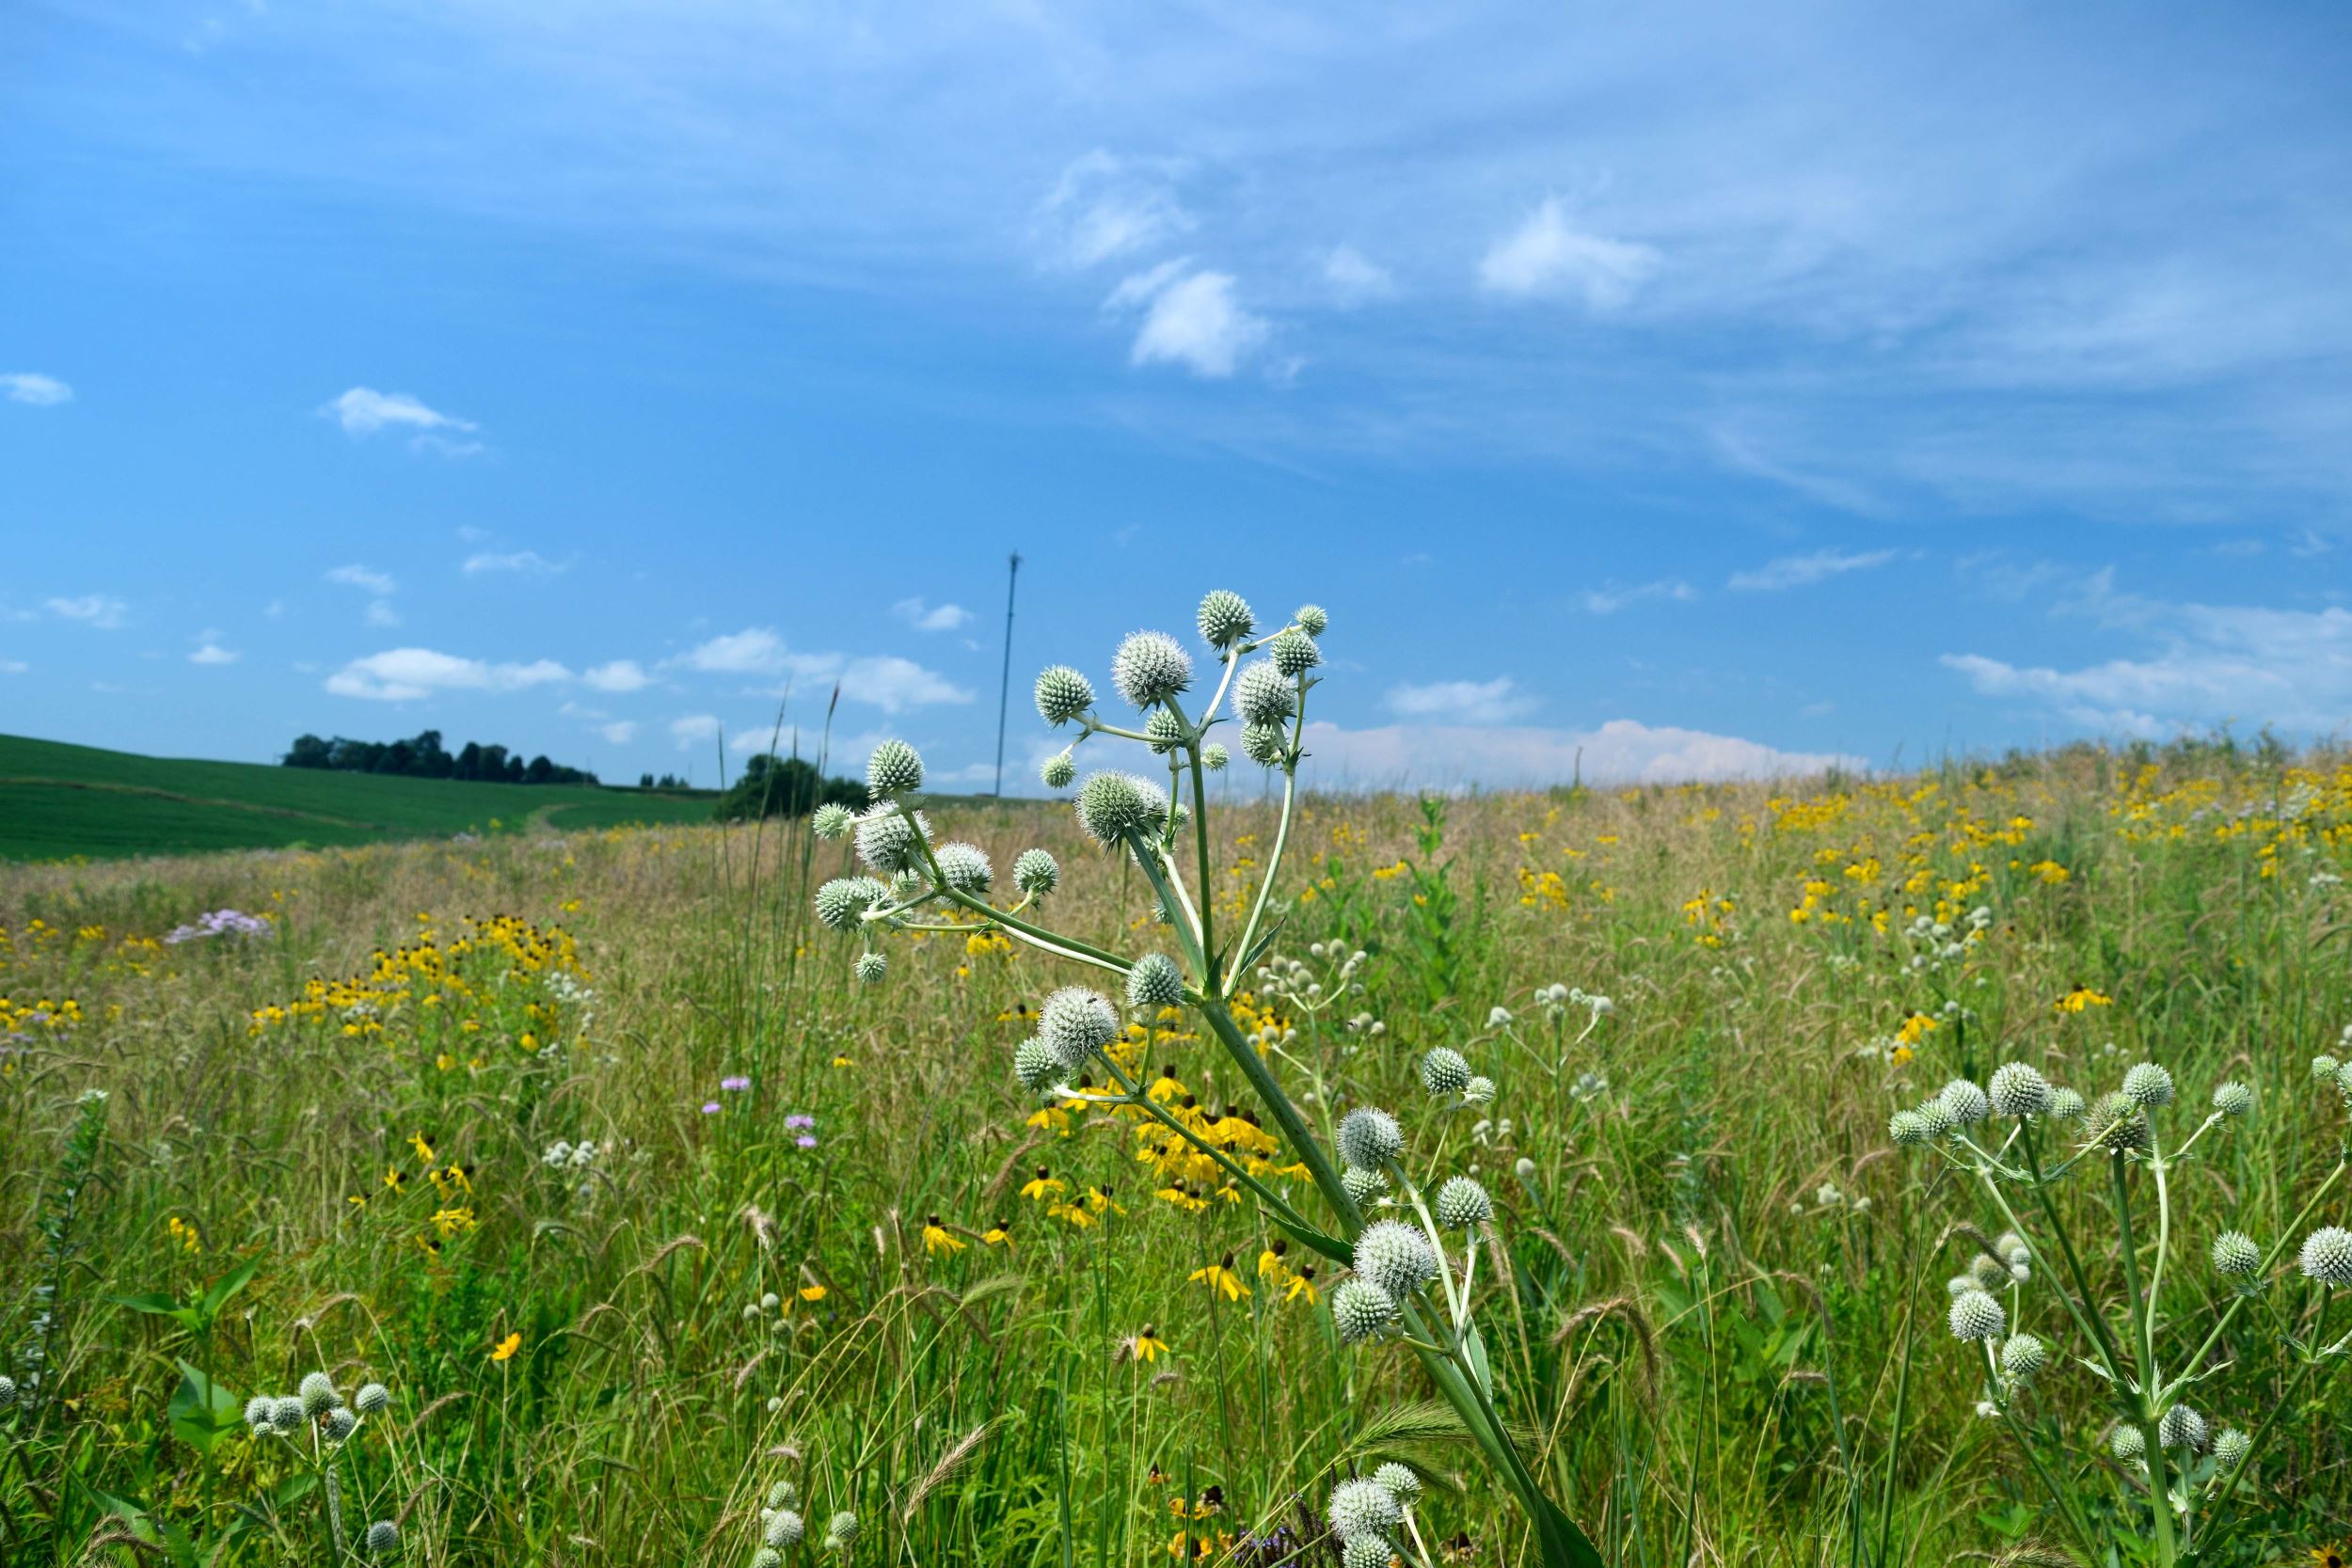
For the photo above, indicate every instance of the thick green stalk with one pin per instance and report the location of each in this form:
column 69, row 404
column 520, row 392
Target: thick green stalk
column 2150, row 1432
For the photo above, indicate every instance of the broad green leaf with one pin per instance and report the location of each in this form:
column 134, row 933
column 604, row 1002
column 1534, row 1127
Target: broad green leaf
column 203, row 1411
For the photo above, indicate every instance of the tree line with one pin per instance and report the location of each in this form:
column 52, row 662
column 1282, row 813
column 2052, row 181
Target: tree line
column 423, row 756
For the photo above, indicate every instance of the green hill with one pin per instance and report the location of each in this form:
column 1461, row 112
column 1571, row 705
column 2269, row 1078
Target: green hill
column 59, row 801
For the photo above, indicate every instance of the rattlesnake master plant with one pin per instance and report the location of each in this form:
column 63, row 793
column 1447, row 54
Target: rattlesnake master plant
column 2084, row 1188
column 1377, row 1216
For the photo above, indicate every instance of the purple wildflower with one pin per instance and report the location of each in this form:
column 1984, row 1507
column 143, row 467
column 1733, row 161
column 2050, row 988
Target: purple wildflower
column 806, row 1140
column 711, row 1107
column 219, row 922
column 800, row 1118
column 734, row 1086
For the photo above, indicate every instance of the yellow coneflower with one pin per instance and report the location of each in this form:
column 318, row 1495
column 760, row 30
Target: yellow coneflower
column 1220, row 1277
column 999, row 1234
column 936, row 1240
column 1043, row 1186
column 2331, row 1557
column 1146, row 1345
column 1182, row 1200
column 1270, row 1264
column 504, row 1350
column 424, row 1150
column 393, row 1179
column 1061, row 1208
column 2082, row 996
column 1167, row 1086
column 1099, row 1198
column 1303, row 1284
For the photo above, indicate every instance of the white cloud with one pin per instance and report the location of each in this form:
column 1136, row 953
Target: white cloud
column 14, row 667
column 1545, row 258
column 621, row 675
column 895, row 685
column 404, row 675
column 375, row 582
column 1609, row 600
column 884, row 681
column 513, row 560
column 1103, row 207
column 213, row 653
column 755, row 651
column 381, row 614
column 1797, row 571
column 42, row 392
column 946, row 617
column 694, row 728
column 620, row 732
column 363, row 411
column 95, row 610
column 1493, row 701
column 1524, row 757
column 1195, row 322
column 1355, row 279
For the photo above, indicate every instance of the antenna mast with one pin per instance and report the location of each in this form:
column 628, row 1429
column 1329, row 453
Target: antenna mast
column 1004, row 691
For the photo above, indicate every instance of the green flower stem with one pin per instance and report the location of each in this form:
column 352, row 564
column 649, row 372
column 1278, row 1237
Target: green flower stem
column 2059, row 1496
column 1206, row 919
column 1281, row 842
column 2159, row 1490
column 1159, row 1113
column 2278, row 1407
column 2156, row 1163
column 2085, row 1312
column 1303, row 1143
column 2270, row 1260
column 1160, row 875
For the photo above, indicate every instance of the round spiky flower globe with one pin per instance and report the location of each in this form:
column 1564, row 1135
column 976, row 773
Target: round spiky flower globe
column 1264, row 696
column 767, row 1556
column 259, row 1411
column 2019, row 1090
column 2323, row 1069
column 1361, row 1506
column 1964, row 1101
column 1294, row 653
column 383, row 1537
column 965, row 868
column 1990, row 1274
column 372, row 1398
column 1935, row 1117
column 2235, row 1254
column 1444, row 1070
column 1975, row 1315
column 1037, row 1065
column 1036, row 873
column 2234, row 1099
column 1150, row 668
column 1264, row 744
column 1058, row 770
column 841, row 1534
column 1363, row 1186
column 2149, row 1085
column 2327, row 1255
column 2126, row 1443
column 1907, row 1129
column 1478, row 1091
column 784, row 1529
column 1360, row 1310
column 871, row 968
column 1370, row 1136
column 783, row 1494
column 2231, row 1446
column 886, row 840
column 1155, row 982
column 285, row 1413
column 2119, row 1123
column 831, row 820
column 1312, row 619
column 1368, row 1551
column 1224, row 618
column 2183, row 1428
column 1063, row 695
column 894, row 769
column 2023, row 1357
column 842, row 902
column 1401, row 1481
column 1462, row 1204
column 7, row 1395
column 341, row 1424
column 1112, row 805
column 1162, row 733
column 1395, row 1256
column 318, row 1394
column 1076, row 1022
column 1215, row 757
column 2065, row 1104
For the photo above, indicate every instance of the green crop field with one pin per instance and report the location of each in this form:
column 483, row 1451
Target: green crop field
column 59, row 802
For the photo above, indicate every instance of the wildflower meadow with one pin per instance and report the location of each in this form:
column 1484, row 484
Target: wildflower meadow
column 1199, row 1164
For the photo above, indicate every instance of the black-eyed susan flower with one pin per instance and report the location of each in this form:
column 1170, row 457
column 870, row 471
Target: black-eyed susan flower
column 1043, row 1187
column 936, row 1239
column 1144, row 1345
column 1220, row 1277
column 999, row 1234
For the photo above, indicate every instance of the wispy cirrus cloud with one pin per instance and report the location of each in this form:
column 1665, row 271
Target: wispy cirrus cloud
column 923, row 617
column 1799, row 571
column 885, row 681
column 1546, row 258
column 1612, row 598
column 528, row 561
column 101, row 612
column 31, row 387
column 1495, row 701
column 378, row 584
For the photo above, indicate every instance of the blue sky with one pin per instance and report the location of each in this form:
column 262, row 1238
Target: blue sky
column 1710, row 390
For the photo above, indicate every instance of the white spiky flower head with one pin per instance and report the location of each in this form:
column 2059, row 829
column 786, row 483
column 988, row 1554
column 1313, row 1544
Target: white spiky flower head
column 340, row 1423
column 372, row 1398
column 1112, row 805
column 286, row 1413
column 2126, row 1443
column 1361, row 1506
column 843, row 902
column 894, row 769
column 887, row 839
column 871, row 968
column 767, row 1556
column 1363, row 1186
column 1360, row 1310
column 965, row 868
column 2119, row 1123
column 1037, row 1065
column 1312, row 619
column 1294, row 653
column 1155, row 982
column 2149, row 1085
column 784, row 1529
column 1224, row 618
column 2323, row 1069
column 1074, row 1024
column 1162, row 733
column 2066, row 1104
column 1964, row 1103
column 2230, row 1449
column 2234, row 1100
column 832, row 819
column 1396, row 1257
column 1215, row 757
column 2183, row 1428
column 841, row 1534
column 2327, row 1255
column 2019, row 1090
column 1444, row 1070
column 783, row 1494
column 1463, row 1204
column 1907, row 1129
column 383, row 1537
column 1264, row 695
column 259, row 1411
column 2236, row 1255
column 1370, row 1136
column 1480, row 1090
column 1036, row 873
column 1990, row 1274
column 318, row 1394
column 1058, row 770
column 1063, row 695
column 1975, row 1315
column 2023, row 1357
column 1935, row 1117
column 1264, row 744
column 1150, row 668
column 1368, row 1551
column 1401, row 1481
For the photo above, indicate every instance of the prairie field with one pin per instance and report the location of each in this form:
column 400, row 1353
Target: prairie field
column 591, row 1150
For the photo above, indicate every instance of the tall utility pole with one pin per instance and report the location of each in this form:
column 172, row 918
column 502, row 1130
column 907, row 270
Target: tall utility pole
column 1004, row 691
